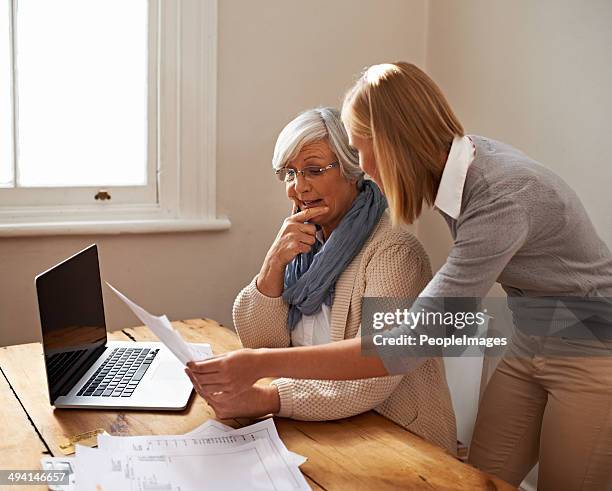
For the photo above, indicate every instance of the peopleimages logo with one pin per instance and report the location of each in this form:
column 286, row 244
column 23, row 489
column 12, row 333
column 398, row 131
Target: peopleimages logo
column 442, row 342
column 425, row 324
column 407, row 318
column 467, row 326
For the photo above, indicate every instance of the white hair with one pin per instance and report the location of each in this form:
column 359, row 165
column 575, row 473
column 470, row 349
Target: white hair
column 321, row 123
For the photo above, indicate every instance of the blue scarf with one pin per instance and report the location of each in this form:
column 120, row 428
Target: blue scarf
column 310, row 279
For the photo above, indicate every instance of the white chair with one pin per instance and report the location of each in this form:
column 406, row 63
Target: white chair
column 464, row 377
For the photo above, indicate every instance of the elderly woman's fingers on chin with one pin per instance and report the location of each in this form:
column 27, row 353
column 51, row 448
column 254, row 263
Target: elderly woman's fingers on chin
column 295, row 236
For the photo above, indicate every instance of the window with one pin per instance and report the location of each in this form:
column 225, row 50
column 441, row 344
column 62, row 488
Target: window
column 93, row 111
column 6, row 120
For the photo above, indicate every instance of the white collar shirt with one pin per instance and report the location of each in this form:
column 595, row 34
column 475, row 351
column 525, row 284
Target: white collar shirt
column 450, row 191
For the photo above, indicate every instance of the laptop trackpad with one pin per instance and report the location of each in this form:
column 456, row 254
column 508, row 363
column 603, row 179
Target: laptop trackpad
column 169, row 370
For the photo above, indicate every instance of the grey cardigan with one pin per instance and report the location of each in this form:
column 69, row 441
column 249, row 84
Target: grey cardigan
column 520, row 225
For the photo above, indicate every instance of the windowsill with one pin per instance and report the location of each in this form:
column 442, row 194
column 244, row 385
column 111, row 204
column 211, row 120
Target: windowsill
column 100, row 227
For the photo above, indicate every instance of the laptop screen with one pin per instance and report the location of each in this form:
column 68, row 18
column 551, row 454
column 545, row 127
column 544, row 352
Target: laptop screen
column 72, row 319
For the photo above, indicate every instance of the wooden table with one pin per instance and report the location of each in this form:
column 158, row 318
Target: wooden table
column 365, row 452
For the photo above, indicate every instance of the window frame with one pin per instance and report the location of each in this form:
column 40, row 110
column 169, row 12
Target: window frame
column 184, row 34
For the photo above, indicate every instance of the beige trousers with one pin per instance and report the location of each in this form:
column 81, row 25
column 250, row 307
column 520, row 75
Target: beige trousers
column 542, row 405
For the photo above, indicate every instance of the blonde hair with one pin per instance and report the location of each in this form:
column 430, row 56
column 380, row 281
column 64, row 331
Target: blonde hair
column 411, row 125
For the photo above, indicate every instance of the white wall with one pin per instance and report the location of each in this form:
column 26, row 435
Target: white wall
column 276, row 57
column 535, row 74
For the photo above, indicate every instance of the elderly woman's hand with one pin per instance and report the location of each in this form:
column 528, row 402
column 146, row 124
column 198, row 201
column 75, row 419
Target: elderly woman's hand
column 254, row 402
column 231, row 373
column 294, row 237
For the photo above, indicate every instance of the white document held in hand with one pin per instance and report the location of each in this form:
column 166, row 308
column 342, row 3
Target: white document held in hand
column 163, row 329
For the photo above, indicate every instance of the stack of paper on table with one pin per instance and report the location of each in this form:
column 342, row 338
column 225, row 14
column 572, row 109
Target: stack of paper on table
column 213, row 456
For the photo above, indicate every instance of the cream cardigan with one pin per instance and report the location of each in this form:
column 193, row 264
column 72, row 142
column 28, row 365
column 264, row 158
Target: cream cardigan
column 392, row 263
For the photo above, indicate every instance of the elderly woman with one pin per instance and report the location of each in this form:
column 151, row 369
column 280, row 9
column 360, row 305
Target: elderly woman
column 337, row 247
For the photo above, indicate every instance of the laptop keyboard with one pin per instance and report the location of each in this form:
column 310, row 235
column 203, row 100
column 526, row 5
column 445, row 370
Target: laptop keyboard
column 120, row 373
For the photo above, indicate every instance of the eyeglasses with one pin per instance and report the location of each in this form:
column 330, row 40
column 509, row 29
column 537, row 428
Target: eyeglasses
column 310, row 173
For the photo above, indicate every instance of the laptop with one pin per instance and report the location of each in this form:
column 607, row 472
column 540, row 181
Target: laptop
column 84, row 369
